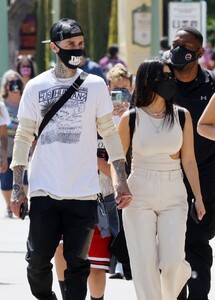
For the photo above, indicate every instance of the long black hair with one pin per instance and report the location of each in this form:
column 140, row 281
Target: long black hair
column 148, row 76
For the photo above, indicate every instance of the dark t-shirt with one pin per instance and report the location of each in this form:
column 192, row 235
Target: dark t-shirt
column 92, row 67
column 195, row 96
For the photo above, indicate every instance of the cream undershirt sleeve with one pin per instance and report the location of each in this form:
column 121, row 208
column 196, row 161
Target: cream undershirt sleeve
column 107, row 130
column 25, row 134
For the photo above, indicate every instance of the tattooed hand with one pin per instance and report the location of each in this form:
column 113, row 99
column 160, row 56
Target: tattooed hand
column 17, row 198
column 122, row 194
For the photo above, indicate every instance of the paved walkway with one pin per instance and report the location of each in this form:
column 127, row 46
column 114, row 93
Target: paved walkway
column 13, row 282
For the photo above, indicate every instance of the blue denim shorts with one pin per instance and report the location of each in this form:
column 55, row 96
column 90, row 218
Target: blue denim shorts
column 6, row 178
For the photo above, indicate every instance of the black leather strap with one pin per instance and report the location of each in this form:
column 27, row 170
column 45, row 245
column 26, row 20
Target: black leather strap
column 181, row 115
column 132, row 118
column 71, row 90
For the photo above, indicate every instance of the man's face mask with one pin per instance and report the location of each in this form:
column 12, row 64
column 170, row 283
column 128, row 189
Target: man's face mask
column 71, row 58
column 166, row 86
column 15, row 85
column 126, row 96
column 181, row 56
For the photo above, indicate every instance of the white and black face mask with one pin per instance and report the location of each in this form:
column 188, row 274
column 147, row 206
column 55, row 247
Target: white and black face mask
column 71, row 57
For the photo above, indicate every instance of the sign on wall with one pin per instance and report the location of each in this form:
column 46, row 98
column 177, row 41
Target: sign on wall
column 141, row 23
column 183, row 14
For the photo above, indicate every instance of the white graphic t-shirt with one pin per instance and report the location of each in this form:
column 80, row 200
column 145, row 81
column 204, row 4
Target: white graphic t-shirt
column 64, row 162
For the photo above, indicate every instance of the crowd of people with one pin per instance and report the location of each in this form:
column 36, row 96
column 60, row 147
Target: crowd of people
column 80, row 197
column 12, row 86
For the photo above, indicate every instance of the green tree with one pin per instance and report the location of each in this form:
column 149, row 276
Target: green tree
column 68, row 9
column 44, row 18
column 99, row 14
column 83, row 19
column 113, row 24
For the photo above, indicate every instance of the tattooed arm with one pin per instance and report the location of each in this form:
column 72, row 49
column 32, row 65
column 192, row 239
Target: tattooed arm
column 22, row 143
column 18, row 195
column 107, row 130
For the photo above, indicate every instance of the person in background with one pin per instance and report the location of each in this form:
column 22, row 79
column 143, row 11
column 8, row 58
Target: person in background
column 119, row 79
column 111, row 59
column 194, row 88
column 206, row 123
column 164, row 47
column 64, row 180
column 91, row 67
column 155, row 221
column 25, row 67
column 207, row 60
column 11, row 91
column 4, row 122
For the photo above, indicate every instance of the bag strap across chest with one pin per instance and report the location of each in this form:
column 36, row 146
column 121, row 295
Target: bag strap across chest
column 54, row 109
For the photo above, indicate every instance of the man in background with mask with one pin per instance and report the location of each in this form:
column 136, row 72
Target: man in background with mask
column 194, row 88
column 63, row 177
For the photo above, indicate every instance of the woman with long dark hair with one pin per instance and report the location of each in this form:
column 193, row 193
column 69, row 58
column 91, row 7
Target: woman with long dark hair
column 155, row 221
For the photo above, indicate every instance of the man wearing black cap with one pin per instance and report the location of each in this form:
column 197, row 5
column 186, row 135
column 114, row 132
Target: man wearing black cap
column 63, row 174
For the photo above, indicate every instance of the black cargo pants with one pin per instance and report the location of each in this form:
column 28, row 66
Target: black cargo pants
column 49, row 220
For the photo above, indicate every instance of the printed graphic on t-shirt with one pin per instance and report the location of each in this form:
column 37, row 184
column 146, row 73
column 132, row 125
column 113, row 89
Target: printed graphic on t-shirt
column 66, row 125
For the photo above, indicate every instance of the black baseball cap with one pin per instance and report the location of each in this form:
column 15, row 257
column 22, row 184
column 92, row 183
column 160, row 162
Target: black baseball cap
column 64, row 29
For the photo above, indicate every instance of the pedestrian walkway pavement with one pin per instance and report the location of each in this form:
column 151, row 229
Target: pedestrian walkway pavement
column 13, row 281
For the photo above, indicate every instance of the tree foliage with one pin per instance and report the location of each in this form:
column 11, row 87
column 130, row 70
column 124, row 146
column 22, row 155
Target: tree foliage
column 68, row 9
column 99, row 14
column 113, row 24
column 83, row 19
column 44, row 17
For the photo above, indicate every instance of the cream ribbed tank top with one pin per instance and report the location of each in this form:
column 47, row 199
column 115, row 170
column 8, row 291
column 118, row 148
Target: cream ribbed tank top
column 153, row 142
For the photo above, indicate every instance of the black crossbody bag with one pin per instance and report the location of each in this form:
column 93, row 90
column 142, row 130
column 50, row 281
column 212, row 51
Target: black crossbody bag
column 71, row 90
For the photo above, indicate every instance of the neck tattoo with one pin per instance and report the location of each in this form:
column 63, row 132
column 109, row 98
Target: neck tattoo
column 60, row 71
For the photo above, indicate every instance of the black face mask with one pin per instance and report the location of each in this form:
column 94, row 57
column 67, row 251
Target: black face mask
column 166, row 89
column 71, row 58
column 181, row 56
column 15, row 86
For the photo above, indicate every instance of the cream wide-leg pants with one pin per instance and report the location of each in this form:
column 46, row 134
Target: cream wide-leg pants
column 155, row 226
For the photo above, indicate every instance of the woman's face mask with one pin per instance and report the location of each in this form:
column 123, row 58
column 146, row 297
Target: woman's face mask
column 166, row 86
column 25, row 71
column 15, row 86
column 181, row 56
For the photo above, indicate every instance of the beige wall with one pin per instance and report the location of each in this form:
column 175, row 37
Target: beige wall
column 131, row 53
